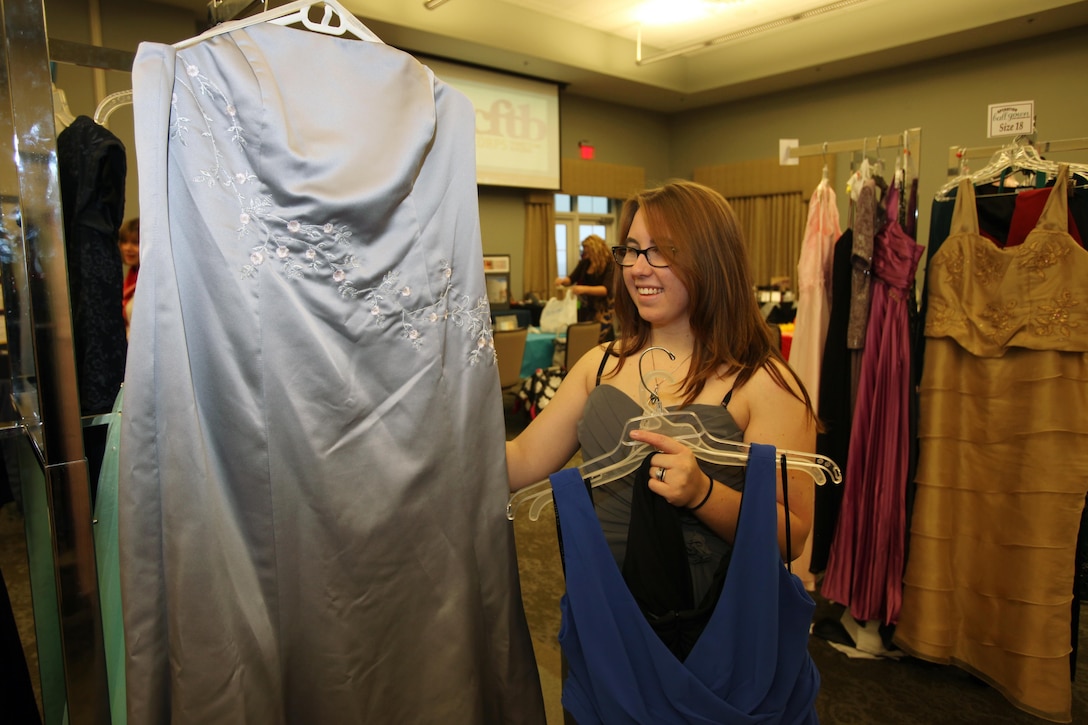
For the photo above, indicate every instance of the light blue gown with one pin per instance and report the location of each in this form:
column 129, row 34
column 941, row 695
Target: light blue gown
column 313, row 481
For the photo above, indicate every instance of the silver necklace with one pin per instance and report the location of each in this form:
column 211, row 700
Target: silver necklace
column 654, row 397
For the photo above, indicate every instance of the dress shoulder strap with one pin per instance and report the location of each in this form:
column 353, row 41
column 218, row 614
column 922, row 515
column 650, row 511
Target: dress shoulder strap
column 1055, row 214
column 964, row 214
column 604, row 358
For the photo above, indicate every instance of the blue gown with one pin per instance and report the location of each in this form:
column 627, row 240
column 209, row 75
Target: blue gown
column 746, row 667
column 312, row 485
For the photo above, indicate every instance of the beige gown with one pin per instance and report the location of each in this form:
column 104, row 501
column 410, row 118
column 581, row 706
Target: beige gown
column 1003, row 458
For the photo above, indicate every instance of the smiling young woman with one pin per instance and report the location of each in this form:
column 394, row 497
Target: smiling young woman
column 684, row 288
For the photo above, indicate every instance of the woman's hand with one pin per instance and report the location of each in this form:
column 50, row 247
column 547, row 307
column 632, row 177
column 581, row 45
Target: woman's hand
column 674, row 472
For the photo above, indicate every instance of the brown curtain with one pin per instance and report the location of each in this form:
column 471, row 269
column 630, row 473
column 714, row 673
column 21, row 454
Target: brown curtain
column 540, row 267
column 588, row 178
column 773, row 227
column 771, row 201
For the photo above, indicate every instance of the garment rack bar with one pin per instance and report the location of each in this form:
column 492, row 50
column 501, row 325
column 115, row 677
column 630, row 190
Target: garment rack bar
column 866, row 143
column 220, row 11
column 90, row 56
column 957, row 154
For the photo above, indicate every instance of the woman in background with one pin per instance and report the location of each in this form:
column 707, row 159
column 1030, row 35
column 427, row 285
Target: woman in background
column 129, row 242
column 591, row 280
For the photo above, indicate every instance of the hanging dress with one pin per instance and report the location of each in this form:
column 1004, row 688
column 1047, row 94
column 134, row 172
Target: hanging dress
column 108, row 566
column 749, row 665
column 814, row 288
column 312, row 482
column 1003, row 454
column 865, row 564
column 91, row 168
column 836, row 402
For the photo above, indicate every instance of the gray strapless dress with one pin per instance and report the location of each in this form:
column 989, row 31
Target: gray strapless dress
column 312, row 480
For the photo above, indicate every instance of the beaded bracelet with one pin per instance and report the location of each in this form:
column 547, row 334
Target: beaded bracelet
column 709, row 490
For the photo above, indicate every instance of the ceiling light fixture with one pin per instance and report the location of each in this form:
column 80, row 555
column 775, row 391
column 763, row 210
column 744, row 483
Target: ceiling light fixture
column 740, row 34
column 432, row 4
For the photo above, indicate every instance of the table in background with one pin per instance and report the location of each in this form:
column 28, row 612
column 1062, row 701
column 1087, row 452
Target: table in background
column 539, row 351
column 534, row 309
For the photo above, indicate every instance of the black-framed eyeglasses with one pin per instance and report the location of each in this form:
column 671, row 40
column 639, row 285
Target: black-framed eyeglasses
column 627, row 256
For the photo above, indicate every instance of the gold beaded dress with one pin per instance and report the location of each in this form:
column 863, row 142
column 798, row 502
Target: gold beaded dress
column 1003, row 459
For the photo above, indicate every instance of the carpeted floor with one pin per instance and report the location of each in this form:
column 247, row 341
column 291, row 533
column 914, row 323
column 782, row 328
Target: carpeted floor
column 16, row 573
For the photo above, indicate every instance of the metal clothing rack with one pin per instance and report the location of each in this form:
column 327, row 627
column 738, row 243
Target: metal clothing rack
column 43, row 367
column 220, row 11
column 910, row 140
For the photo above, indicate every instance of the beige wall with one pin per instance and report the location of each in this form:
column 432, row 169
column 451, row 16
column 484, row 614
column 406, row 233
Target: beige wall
column 619, row 134
column 946, row 98
column 502, row 228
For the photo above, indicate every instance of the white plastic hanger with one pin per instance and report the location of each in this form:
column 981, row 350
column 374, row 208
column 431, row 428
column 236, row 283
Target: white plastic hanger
column 909, row 171
column 682, row 425
column 296, row 12
column 877, row 169
column 62, row 114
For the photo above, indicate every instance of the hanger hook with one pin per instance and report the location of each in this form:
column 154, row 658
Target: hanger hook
column 654, row 400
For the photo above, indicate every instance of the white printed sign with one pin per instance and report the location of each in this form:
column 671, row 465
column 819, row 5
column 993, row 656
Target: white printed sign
column 1011, row 119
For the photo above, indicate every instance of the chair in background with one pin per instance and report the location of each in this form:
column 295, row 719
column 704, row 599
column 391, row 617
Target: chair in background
column 510, row 349
column 522, row 318
column 581, row 338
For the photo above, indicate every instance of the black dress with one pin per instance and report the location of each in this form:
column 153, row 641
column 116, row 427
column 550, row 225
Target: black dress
column 91, row 165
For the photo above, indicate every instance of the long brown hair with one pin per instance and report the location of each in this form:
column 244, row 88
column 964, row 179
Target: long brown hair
column 598, row 254
column 697, row 232
column 130, row 229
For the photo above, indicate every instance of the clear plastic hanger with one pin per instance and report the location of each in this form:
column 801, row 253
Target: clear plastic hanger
column 877, row 170
column 62, row 114
column 1020, row 155
column 863, row 173
column 902, row 162
column 111, row 103
column 681, row 425
column 296, row 12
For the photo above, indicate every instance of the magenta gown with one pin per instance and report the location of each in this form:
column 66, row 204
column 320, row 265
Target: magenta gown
column 865, row 566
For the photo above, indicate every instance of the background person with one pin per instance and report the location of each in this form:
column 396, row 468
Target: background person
column 129, row 242
column 591, row 281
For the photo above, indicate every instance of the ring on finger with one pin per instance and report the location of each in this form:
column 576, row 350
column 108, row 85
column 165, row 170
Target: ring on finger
column 660, row 474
